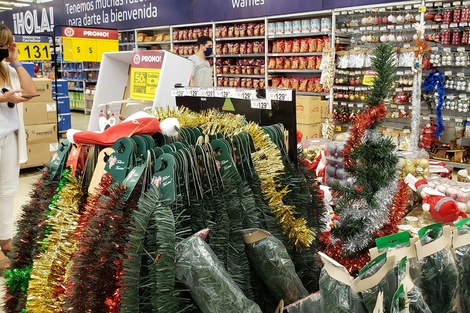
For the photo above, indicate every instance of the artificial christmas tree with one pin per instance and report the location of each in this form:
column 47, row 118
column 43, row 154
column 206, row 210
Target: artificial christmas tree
column 372, row 203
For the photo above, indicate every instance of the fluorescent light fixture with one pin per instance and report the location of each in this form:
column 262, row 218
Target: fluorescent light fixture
column 5, row 8
column 14, row 4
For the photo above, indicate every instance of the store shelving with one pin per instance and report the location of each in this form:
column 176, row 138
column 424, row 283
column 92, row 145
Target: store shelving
column 252, row 55
column 241, row 38
column 240, row 75
column 294, row 71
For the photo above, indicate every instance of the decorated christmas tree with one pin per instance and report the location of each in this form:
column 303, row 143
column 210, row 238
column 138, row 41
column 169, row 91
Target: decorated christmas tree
column 373, row 203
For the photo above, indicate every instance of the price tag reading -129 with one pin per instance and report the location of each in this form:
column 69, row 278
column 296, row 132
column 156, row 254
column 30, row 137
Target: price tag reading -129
column 263, row 104
column 280, row 95
column 37, row 51
column 246, row 94
column 177, row 92
column 224, row 92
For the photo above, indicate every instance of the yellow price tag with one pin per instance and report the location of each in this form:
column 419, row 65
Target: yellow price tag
column 145, row 74
column 422, row 9
column 369, row 78
column 88, row 44
column 37, row 51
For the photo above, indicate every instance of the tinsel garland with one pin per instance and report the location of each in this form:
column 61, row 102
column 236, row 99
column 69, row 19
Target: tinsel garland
column 31, row 227
column 45, row 291
column 362, row 121
column 97, row 266
column 268, row 164
column 435, row 81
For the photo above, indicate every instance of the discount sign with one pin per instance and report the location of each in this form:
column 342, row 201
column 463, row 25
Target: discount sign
column 88, row 44
column 145, row 73
column 33, row 48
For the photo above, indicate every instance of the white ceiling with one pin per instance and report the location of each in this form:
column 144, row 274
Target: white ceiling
column 9, row 5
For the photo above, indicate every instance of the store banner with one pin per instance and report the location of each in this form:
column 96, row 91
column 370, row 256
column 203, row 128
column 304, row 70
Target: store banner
column 333, row 4
column 35, row 19
column 146, row 66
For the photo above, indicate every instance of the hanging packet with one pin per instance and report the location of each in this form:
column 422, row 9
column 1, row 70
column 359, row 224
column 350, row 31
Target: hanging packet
column 272, row 262
column 377, row 276
column 415, row 299
column 211, row 287
column 438, row 280
column 399, row 301
column 461, row 246
column 336, row 288
column 310, row 304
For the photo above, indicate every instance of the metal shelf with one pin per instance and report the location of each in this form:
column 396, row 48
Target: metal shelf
column 240, row 38
column 185, row 41
column 304, row 93
column 293, row 71
column 275, row 36
column 252, row 55
column 149, row 43
column 75, row 89
column 73, row 80
column 240, row 75
column 294, row 54
column 90, row 69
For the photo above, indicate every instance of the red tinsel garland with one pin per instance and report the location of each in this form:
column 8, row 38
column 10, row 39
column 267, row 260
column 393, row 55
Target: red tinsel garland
column 362, row 122
column 397, row 212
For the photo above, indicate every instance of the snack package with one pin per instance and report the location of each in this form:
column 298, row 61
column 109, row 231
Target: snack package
column 242, row 30
column 294, row 82
column 461, row 247
column 256, row 47
column 249, row 29
column 269, row 257
column 295, row 63
column 285, row 82
column 312, row 45
column 256, row 30
column 311, row 61
column 289, row 46
column 302, row 63
column 304, row 45
column 262, row 83
column 336, row 289
column 211, row 287
column 303, row 84
column 281, row 46
column 310, row 304
column 249, row 83
column 287, row 63
column 377, row 276
column 249, row 47
column 276, row 81
column 296, row 46
column 176, row 34
column 280, row 63
column 439, row 279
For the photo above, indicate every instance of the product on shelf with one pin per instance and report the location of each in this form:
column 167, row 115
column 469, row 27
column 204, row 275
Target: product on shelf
column 240, row 30
column 295, row 63
column 302, row 45
column 300, row 84
column 192, row 33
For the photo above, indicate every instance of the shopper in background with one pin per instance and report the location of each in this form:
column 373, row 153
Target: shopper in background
column 202, row 72
column 14, row 81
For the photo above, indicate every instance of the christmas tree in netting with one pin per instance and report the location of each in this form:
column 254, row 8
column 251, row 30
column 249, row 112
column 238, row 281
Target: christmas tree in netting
column 373, row 203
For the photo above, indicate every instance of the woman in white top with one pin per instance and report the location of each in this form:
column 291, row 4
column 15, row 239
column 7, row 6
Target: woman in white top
column 14, row 82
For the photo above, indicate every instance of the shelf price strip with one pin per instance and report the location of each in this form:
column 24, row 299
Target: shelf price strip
column 33, row 48
column 88, row 44
column 145, row 73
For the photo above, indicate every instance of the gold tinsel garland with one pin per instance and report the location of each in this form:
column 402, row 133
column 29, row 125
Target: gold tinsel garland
column 48, row 275
column 267, row 161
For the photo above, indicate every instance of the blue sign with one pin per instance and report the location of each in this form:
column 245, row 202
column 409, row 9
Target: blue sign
column 329, row 4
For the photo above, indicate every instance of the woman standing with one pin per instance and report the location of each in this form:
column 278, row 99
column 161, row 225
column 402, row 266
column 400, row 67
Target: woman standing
column 14, row 81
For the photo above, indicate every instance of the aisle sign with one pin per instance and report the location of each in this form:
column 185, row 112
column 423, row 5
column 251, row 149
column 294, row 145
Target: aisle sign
column 145, row 73
column 88, row 44
column 33, row 48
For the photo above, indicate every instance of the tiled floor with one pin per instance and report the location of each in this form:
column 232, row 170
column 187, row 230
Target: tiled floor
column 29, row 176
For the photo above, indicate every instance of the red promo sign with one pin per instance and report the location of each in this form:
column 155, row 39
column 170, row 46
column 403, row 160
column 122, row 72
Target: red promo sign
column 94, row 33
column 147, row 59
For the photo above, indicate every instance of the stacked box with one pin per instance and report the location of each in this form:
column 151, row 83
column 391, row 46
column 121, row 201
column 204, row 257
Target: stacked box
column 40, row 118
column 310, row 112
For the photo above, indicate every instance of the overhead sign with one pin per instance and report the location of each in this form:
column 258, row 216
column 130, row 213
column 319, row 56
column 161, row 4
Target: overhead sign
column 88, row 44
column 33, row 48
column 146, row 66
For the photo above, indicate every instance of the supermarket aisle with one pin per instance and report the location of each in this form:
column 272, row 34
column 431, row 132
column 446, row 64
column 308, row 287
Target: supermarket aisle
column 29, row 176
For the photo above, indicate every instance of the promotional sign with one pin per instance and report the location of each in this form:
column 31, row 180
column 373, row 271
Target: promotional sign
column 33, row 48
column 145, row 72
column 88, row 44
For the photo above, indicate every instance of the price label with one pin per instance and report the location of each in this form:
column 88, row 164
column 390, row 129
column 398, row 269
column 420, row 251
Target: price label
column 452, row 25
column 448, row 73
column 401, row 107
column 463, row 96
column 191, row 92
column 383, row 28
column 408, row 7
column 362, row 28
column 399, row 27
column 407, row 26
column 456, row 3
column 447, row 50
column 245, row 94
column 466, row 3
column 88, row 44
column 399, row 89
column 426, row 118
column 408, row 72
column 344, row 103
column 436, row 26
column 463, row 24
column 446, row 5
column 444, row 26
column 225, row 92
column 400, row 73
column 178, row 92
column 422, row 9
column 459, row 120
column 369, row 28
column 263, row 104
column 390, row 27
column 438, row 4
column 206, row 92
column 280, row 95
column 375, row 28
column 352, row 88
column 461, row 49
column 429, row 5
column 145, row 74
column 360, row 105
column 350, row 105
column 369, row 78
column 34, row 51
column 461, row 74
column 382, row 10
column 406, row 45
column 446, row 118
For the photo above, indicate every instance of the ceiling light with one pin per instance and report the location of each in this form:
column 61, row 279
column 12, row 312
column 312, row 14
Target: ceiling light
column 5, row 8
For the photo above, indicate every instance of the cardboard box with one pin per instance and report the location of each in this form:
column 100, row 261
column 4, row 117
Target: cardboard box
column 43, row 89
column 40, row 154
column 63, row 105
column 310, row 109
column 64, row 122
column 42, row 133
column 308, row 131
column 39, row 113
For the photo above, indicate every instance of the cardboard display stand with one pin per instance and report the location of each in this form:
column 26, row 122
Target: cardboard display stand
column 114, row 81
